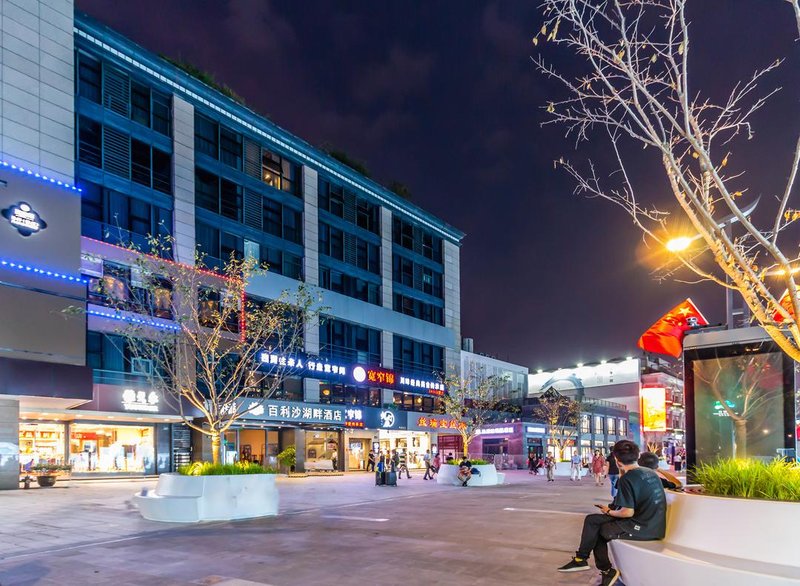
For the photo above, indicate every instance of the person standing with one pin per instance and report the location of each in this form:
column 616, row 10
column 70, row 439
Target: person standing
column 598, row 468
column 575, row 467
column 402, row 464
column 426, row 459
column 639, row 513
column 395, row 461
column 550, row 466
column 612, row 473
column 437, row 462
column 371, row 461
column 677, row 461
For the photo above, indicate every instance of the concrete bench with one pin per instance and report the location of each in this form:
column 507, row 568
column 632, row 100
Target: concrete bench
column 326, row 465
column 448, row 474
column 714, row 540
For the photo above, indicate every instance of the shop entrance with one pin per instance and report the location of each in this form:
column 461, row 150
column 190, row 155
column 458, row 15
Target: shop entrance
column 41, row 443
column 413, row 443
column 99, row 448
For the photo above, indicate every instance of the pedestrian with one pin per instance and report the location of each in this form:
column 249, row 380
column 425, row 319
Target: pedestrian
column 426, row 459
column 677, row 461
column 612, row 473
column 550, row 466
column 395, row 461
column 531, row 462
column 437, row 462
column 575, row 467
column 402, row 464
column 371, row 461
column 639, row 513
column 598, row 468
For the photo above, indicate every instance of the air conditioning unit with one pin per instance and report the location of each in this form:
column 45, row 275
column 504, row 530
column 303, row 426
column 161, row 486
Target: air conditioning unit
column 142, row 366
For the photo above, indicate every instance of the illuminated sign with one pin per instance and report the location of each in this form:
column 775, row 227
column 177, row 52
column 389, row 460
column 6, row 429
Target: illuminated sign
column 24, row 219
column 421, row 384
column 301, row 363
column 535, row 429
column 437, row 392
column 140, row 401
column 495, row 430
column 654, row 408
column 353, row 417
column 720, row 411
column 387, row 419
column 289, row 411
column 440, row 423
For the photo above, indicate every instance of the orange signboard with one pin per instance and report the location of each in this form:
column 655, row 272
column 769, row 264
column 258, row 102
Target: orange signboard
column 654, row 408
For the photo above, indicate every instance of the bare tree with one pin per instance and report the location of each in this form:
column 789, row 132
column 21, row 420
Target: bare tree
column 561, row 415
column 203, row 335
column 636, row 90
column 471, row 400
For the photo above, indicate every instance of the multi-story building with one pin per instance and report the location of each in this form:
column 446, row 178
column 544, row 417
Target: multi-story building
column 515, row 386
column 103, row 143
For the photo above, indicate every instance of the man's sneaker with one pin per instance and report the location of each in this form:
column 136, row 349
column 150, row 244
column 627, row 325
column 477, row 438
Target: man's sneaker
column 609, row 577
column 575, row 565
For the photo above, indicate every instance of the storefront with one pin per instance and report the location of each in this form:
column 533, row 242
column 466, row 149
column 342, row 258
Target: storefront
column 535, row 439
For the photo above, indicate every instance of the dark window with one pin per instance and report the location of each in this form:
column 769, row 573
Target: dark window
column 292, row 225
column 272, row 218
column 231, row 200
column 140, row 104
column 292, row 266
column 162, row 171
column 419, row 357
column 231, row 244
column 349, row 285
column 206, row 190
column 350, row 342
column 337, row 244
column 161, row 113
column 89, row 78
column 90, row 142
column 92, row 201
column 207, row 240
column 140, row 162
column 230, row 148
column 206, row 138
column 272, row 257
column 367, row 215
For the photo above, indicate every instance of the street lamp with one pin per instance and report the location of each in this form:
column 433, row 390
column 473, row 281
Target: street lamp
column 680, row 243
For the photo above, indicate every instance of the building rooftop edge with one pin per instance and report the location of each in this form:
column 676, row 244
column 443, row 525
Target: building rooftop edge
column 94, row 30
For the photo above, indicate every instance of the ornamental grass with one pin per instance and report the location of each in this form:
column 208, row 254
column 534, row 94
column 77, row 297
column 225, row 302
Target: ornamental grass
column 776, row 480
column 210, row 469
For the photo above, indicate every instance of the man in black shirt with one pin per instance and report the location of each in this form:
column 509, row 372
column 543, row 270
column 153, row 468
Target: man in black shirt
column 639, row 513
column 612, row 471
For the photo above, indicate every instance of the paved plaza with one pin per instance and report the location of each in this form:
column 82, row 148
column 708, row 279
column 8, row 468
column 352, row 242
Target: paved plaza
column 338, row 530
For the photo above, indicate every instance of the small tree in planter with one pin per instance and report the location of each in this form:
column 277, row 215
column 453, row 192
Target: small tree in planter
column 203, row 335
column 471, row 401
column 561, row 415
column 288, row 458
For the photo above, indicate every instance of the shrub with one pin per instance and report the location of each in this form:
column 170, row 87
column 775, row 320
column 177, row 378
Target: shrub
column 51, row 468
column 776, row 480
column 209, row 469
column 478, row 462
column 288, row 457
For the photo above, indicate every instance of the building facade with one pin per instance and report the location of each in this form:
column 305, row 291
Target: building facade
column 103, row 143
column 515, row 387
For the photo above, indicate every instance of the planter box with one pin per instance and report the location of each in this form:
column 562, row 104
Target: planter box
column 189, row 499
column 717, row 540
column 448, row 474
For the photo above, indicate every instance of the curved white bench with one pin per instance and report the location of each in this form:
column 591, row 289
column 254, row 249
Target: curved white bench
column 715, row 540
column 189, row 499
column 326, row 465
column 448, row 474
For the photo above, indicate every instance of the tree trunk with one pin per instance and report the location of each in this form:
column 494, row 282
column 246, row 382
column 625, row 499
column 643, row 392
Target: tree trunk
column 465, row 441
column 740, row 438
column 215, row 447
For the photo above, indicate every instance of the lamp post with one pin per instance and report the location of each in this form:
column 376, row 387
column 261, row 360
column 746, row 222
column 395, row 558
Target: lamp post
column 682, row 243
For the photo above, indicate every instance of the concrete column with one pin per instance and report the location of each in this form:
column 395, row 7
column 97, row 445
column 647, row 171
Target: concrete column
column 298, row 437
column 183, row 180
column 386, row 259
column 452, row 303
column 310, row 227
column 311, row 390
column 9, row 444
column 387, row 349
column 37, row 86
column 387, row 397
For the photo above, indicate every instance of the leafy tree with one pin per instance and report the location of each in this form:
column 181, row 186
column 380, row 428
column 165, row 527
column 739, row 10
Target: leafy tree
column 561, row 415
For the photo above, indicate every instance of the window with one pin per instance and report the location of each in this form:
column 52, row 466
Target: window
column 207, row 240
column 415, row 238
column 331, row 198
column 349, row 342
column 292, row 266
column 231, row 200
column 230, row 148
column 161, row 113
column 90, row 142
column 367, row 215
column 612, row 427
column 292, row 225
column 419, row 357
column 140, row 162
column 598, row 424
column 231, row 244
column 272, row 218
column 205, row 136
column 623, row 427
column 349, row 285
column 140, row 103
column 206, row 190
column 162, row 171
column 89, row 78
column 418, row 308
column 585, row 424
column 279, row 172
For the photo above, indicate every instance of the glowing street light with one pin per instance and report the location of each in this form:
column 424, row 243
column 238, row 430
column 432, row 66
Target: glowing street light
column 679, row 244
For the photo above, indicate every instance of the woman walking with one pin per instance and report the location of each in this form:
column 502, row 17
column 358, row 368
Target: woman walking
column 550, row 466
column 598, row 468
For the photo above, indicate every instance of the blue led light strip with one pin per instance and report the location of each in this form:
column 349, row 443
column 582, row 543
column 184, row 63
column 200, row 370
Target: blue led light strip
column 45, row 178
column 133, row 320
column 43, row 272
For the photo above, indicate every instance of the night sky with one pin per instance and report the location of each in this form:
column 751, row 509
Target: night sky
column 447, row 101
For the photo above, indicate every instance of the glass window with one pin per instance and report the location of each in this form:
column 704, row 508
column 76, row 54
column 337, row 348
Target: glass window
column 206, row 136
column 292, row 266
column 162, row 171
column 336, row 244
column 585, row 424
column 279, row 172
column 231, row 200
column 98, row 448
column 272, row 217
column 598, row 424
column 89, row 78
column 612, row 425
column 206, row 190
column 230, row 147
column 207, row 240
column 90, row 142
column 231, row 244
column 140, row 162
column 41, row 443
column 162, row 118
column 140, row 103
column 292, row 225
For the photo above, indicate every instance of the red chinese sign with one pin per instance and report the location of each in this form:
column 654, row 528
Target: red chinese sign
column 437, row 392
column 381, row 376
column 440, row 423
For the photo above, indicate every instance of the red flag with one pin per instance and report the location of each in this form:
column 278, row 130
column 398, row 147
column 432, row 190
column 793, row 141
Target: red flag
column 786, row 303
column 666, row 335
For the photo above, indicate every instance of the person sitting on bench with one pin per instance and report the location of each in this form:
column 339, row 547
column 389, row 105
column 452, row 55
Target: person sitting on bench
column 464, row 471
column 668, row 481
column 639, row 514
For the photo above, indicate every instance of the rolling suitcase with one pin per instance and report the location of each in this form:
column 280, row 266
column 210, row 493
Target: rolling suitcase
column 391, row 478
column 380, row 478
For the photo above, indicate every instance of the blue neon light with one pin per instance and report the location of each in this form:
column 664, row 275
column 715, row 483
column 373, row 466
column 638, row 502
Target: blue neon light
column 39, row 176
column 43, row 272
column 133, row 320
